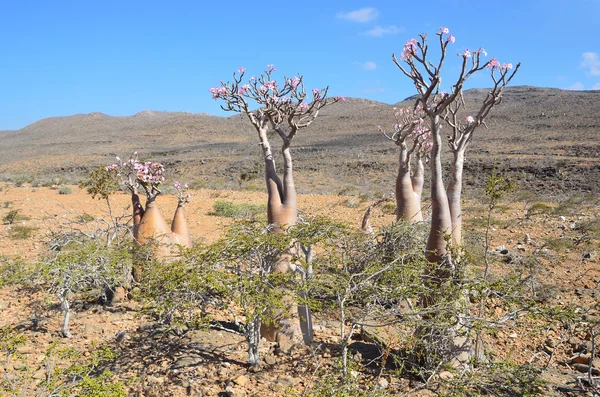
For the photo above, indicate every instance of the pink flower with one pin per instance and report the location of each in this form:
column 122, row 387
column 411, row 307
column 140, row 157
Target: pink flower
column 294, row 81
column 340, row 98
column 470, row 119
column 244, row 89
column 303, row 106
column 410, row 49
column 379, row 127
column 466, row 54
column 482, row 51
column 270, row 68
column 451, row 39
column 507, row 66
column 241, row 70
column 444, row 30
column 493, row 63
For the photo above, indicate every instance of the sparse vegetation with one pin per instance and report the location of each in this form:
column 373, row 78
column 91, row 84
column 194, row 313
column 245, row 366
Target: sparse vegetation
column 21, row 232
column 65, row 190
column 228, row 209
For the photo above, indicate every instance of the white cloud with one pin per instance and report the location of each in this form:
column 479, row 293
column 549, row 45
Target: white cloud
column 591, row 61
column 362, row 15
column 596, row 86
column 379, row 31
column 369, row 66
column 576, row 87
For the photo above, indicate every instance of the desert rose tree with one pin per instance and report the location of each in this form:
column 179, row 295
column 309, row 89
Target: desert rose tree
column 283, row 107
column 442, row 107
column 413, row 137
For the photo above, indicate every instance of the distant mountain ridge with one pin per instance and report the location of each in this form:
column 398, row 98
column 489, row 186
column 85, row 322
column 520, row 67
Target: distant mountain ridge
column 533, row 125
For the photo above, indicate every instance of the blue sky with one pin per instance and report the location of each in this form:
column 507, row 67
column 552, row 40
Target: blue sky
column 120, row 57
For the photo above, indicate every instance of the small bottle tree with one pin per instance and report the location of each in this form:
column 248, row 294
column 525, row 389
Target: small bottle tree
column 443, row 108
column 412, row 135
column 440, row 107
column 284, row 108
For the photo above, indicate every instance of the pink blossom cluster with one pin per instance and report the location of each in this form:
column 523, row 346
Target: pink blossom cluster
column 293, row 82
column 494, row 64
column 182, row 192
column 218, row 92
column 149, row 173
column 132, row 172
column 449, row 37
column 410, row 49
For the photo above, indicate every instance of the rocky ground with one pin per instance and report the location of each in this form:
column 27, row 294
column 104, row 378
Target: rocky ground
column 565, row 236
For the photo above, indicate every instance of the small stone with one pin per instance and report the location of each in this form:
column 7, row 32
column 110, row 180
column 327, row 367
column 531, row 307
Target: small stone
column 382, row 383
column 513, row 335
column 504, row 252
column 241, row 380
column 527, row 239
column 562, row 218
column 500, row 248
column 520, row 247
column 270, row 359
column 446, row 375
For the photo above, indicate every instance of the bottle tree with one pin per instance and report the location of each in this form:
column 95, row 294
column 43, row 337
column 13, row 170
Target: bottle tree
column 283, row 108
column 443, row 107
column 412, row 136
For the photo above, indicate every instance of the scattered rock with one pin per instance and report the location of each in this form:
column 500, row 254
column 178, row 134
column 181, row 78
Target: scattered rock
column 527, row 239
column 562, row 218
column 241, row 380
column 446, row 375
column 500, row 248
column 586, row 368
column 270, row 359
column 382, row 383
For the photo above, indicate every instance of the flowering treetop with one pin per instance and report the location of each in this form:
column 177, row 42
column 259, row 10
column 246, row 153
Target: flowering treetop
column 426, row 75
column 134, row 173
column 283, row 105
column 181, row 191
column 410, row 124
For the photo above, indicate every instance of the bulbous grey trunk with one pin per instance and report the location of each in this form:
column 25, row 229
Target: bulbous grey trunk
column 179, row 228
column 441, row 221
column 408, row 199
column 454, row 196
column 282, row 212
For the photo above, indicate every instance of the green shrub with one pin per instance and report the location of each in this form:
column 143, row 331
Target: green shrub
column 21, row 232
column 228, row 209
column 13, row 216
column 539, row 208
column 65, row 190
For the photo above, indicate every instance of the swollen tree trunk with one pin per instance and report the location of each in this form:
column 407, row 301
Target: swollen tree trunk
column 179, row 227
column 152, row 229
column 138, row 213
column 282, row 213
column 441, row 221
column 454, row 196
column 408, row 189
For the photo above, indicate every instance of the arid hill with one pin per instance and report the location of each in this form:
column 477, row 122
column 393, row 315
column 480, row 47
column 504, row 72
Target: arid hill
column 547, row 138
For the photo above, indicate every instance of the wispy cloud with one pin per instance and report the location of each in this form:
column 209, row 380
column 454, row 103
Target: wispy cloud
column 362, row 15
column 591, row 61
column 380, row 31
column 576, row 86
column 368, row 66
